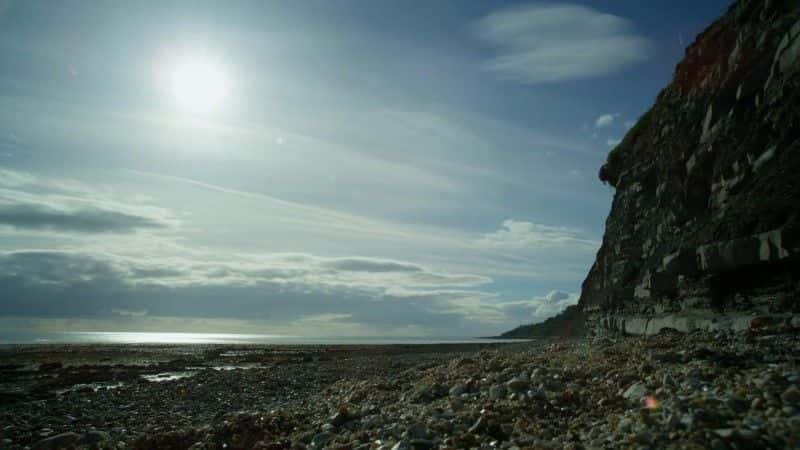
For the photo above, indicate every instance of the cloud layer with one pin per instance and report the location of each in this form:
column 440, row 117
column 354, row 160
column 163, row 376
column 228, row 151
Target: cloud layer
column 85, row 221
column 29, row 203
column 542, row 43
column 280, row 290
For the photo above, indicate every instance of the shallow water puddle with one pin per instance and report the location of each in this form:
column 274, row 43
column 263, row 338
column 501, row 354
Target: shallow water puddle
column 226, row 367
column 168, row 376
column 94, row 387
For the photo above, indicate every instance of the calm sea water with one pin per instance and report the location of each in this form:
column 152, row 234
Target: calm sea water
column 95, row 337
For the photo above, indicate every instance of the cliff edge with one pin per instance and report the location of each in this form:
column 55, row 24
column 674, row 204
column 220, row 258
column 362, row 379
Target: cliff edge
column 704, row 229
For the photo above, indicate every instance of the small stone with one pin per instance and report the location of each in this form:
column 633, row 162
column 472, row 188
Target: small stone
column 719, row 444
column 635, row 391
column 478, row 425
column 644, row 437
column 457, row 390
column 418, row 431
column 673, row 421
column 46, row 367
column 93, row 437
column 688, row 420
column 724, row 433
column 422, row 444
column 342, row 417
column 497, row 392
column 320, row 439
column 791, row 396
column 518, row 384
column 737, row 404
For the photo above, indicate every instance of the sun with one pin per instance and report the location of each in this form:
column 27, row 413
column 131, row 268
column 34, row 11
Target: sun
column 197, row 84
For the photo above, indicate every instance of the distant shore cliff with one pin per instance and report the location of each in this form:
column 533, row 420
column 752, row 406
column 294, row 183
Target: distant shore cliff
column 704, row 230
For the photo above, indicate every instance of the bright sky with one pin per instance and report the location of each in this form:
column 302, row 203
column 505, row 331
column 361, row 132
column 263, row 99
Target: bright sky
column 315, row 168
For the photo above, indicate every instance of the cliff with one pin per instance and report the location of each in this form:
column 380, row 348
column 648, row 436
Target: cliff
column 704, row 229
column 567, row 324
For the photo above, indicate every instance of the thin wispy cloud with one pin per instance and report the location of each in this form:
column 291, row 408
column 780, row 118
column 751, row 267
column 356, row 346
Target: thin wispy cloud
column 29, row 203
column 543, row 43
column 517, row 234
column 27, row 216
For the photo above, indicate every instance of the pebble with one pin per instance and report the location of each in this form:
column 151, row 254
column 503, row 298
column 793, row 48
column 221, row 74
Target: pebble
column 497, row 392
column 791, row 396
column 635, row 392
column 321, row 439
column 518, row 384
column 58, row 441
column 457, row 390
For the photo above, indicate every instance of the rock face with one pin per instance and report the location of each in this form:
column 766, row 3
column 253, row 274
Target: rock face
column 704, row 229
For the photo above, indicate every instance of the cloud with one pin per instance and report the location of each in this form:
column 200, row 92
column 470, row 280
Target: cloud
column 605, row 120
column 613, row 142
column 370, row 265
column 515, row 234
column 629, row 124
column 129, row 313
column 27, row 216
column 29, row 203
column 542, row 43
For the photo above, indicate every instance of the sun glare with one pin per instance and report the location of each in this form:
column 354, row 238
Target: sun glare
column 196, row 84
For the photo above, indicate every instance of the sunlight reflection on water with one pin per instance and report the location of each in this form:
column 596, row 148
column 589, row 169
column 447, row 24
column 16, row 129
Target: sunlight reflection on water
column 128, row 337
column 175, row 338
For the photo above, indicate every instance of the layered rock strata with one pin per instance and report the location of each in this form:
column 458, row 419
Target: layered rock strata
column 704, row 230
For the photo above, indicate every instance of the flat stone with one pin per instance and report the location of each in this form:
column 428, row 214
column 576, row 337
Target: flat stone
column 791, row 396
column 402, row 445
column 518, row 384
column 58, row 441
column 93, row 437
column 635, row 391
column 418, row 431
column 457, row 390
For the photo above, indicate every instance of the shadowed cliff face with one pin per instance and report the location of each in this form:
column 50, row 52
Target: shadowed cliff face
column 706, row 217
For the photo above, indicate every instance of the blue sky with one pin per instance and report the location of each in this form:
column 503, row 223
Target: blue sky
column 317, row 168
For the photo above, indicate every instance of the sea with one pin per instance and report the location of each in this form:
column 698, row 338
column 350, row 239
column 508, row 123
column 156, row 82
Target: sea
column 102, row 337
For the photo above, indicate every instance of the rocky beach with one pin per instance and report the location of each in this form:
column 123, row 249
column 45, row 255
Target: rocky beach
column 720, row 390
